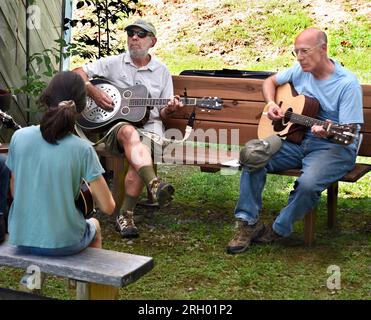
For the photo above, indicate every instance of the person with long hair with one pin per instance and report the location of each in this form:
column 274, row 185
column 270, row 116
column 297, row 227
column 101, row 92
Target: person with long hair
column 48, row 164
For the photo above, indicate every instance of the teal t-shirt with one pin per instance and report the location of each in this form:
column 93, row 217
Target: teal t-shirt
column 47, row 180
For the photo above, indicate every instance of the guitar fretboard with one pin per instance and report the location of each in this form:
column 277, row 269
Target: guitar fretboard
column 304, row 120
column 158, row 102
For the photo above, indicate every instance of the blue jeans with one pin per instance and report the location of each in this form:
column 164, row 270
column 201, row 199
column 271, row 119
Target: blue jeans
column 4, row 184
column 321, row 163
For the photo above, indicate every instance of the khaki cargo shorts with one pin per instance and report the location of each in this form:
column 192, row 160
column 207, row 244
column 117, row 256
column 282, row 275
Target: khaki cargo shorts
column 113, row 146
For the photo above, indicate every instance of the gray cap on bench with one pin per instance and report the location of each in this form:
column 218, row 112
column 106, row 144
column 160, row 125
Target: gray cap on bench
column 256, row 153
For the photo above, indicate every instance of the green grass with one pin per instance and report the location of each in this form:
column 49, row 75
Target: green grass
column 284, row 22
column 351, row 45
column 177, row 62
column 187, row 241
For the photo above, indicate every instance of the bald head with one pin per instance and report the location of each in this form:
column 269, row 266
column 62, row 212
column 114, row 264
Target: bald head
column 313, row 35
column 311, row 52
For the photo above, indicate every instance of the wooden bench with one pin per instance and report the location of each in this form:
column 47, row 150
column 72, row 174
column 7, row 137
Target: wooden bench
column 238, row 121
column 98, row 273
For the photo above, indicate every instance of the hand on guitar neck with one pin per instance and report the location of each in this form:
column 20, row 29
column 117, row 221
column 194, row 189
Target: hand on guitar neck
column 321, row 130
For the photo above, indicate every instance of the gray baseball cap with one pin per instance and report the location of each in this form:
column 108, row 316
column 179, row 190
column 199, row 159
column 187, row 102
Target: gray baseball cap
column 256, row 152
column 143, row 24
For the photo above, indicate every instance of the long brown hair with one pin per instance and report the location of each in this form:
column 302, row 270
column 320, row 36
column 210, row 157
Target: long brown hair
column 64, row 97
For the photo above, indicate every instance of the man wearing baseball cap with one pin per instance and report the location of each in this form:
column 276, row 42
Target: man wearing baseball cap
column 135, row 67
column 143, row 24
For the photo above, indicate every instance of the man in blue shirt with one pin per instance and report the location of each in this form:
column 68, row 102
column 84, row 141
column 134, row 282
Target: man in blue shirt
column 321, row 161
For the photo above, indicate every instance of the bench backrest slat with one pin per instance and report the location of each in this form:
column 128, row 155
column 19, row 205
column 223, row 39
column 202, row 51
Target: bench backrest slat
column 243, row 104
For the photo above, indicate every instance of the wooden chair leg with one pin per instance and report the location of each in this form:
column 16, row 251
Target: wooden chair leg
column 119, row 166
column 95, row 291
column 332, row 201
column 309, row 226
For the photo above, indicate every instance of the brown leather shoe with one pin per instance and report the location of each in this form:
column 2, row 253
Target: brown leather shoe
column 268, row 236
column 244, row 235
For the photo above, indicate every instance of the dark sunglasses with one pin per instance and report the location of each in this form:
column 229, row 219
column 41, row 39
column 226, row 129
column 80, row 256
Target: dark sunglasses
column 141, row 33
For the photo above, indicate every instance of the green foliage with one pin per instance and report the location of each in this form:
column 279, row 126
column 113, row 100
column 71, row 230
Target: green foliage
column 102, row 18
column 41, row 68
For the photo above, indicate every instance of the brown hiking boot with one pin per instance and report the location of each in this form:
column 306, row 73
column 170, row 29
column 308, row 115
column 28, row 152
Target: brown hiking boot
column 125, row 225
column 162, row 192
column 268, row 236
column 244, row 235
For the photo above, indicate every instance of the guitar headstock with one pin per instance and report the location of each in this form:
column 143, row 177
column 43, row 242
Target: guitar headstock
column 342, row 133
column 213, row 103
column 8, row 121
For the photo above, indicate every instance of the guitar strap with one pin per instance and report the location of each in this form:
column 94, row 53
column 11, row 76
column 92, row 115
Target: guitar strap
column 164, row 142
column 82, row 135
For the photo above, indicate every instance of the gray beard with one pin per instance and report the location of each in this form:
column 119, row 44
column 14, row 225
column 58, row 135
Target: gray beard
column 138, row 53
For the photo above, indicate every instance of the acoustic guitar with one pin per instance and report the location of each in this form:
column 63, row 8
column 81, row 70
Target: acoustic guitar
column 131, row 104
column 299, row 114
column 85, row 201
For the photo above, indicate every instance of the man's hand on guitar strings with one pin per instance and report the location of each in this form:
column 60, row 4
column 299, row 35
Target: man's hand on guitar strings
column 102, row 99
column 274, row 112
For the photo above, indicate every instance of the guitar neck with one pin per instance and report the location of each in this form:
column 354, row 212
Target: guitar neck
column 159, row 102
column 305, row 120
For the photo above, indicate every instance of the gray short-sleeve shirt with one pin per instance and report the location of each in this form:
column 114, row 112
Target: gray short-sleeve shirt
column 121, row 71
